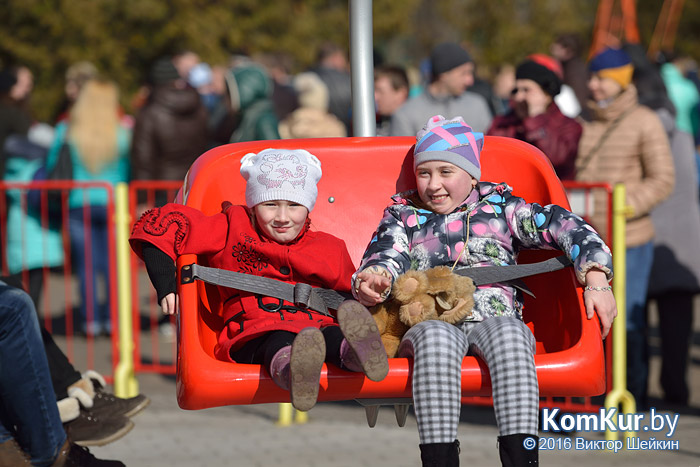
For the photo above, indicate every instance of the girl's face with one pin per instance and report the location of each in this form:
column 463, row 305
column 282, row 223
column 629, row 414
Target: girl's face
column 280, row 220
column 603, row 88
column 443, row 186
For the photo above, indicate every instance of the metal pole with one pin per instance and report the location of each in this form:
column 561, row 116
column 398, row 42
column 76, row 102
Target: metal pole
column 362, row 68
column 620, row 396
column 125, row 383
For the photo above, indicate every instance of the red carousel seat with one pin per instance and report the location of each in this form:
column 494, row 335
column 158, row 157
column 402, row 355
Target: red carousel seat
column 359, row 176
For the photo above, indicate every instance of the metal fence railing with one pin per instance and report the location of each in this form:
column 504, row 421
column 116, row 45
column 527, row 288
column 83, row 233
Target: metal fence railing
column 40, row 220
column 57, row 241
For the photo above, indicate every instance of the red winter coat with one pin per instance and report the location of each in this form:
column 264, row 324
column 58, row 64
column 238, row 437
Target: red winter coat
column 552, row 132
column 229, row 241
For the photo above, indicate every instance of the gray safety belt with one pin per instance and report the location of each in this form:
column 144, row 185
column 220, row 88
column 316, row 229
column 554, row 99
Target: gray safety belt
column 320, row 300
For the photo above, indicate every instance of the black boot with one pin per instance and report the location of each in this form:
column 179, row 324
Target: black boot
column 440, row 454
column 515, row 450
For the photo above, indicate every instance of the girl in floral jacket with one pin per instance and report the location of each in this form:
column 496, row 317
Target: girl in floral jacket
column 269, row 237
column 453, row 218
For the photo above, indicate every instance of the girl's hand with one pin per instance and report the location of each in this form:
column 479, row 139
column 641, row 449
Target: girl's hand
column 371, row 287
column 600, row 301
column 170, row 304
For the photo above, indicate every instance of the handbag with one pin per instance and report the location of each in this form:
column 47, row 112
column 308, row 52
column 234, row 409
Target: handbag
column 63, row 170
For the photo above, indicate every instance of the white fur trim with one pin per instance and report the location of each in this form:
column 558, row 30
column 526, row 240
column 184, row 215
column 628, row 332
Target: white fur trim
column 81, row 396
column 68, row 409
column 92, row 374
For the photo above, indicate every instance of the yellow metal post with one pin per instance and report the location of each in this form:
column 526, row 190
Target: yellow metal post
column 301, row 417
column 125, row 383
column 620, row 396
column 285, row 415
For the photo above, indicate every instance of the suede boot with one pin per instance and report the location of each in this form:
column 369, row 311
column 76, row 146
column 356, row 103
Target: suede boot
column 106, row 404
column 279, row 367
column 362, row 349
column 513, row 452
column 91, row 393
column 440, row 454
column 12, row 454
column 307, row 357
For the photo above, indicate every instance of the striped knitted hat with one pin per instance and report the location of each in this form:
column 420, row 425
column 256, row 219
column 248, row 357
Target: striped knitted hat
column 451, row 141
column 614, row 64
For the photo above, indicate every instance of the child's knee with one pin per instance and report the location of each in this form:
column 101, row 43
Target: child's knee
column 429, row 330
column 520, row 333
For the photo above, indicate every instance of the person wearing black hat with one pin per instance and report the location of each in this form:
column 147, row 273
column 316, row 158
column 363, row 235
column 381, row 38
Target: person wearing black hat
column 535, row 118
column 452, row 72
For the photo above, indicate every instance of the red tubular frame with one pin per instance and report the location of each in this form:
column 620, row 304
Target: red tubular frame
column 569, row 356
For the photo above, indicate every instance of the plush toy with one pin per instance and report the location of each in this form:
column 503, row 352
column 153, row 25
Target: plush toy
column 417, row 296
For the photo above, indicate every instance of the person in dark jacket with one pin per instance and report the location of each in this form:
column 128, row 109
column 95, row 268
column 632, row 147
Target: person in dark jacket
column 170, row 131
column 14, row 117
column 332, row 67
column 535, row 118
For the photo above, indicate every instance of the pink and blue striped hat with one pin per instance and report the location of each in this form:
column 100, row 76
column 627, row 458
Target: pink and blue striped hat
column 451, row 141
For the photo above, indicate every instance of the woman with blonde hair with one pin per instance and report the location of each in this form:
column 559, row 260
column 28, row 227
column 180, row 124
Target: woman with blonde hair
column 98, row 146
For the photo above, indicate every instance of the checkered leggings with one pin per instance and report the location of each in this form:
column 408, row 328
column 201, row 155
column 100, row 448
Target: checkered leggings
column 504, row 343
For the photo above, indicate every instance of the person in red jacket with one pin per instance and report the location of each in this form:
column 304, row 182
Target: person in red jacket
column 269, row 237
column 535, row 118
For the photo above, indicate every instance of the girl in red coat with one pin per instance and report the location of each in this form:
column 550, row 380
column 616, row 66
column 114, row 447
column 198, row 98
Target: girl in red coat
column 269, row 237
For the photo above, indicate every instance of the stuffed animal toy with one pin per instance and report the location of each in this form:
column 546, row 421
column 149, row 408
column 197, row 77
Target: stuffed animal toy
column 417, row 296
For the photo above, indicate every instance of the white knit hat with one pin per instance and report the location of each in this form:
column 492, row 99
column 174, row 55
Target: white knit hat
column 281, row 174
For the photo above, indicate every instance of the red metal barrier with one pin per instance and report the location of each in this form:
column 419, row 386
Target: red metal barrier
column 31, row 215
column 154, row 351
column 154, row 348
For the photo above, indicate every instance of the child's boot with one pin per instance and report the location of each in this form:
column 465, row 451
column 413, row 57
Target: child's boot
column 362, row 349
column 514, row 453
column 307, row 357
column 440, row 454
column 279, row 367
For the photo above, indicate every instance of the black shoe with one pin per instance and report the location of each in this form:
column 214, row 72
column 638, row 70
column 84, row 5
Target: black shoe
column 518, row 450
column 92, row 430
column 72, row 455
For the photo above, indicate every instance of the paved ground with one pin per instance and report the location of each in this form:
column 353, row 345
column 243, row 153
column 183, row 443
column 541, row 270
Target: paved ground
column 337, row 435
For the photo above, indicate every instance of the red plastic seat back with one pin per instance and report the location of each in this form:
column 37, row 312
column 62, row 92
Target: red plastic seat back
column 361, row 174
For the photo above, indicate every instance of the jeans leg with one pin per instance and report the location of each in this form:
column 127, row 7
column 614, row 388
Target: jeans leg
column 26, row 392
column 85, row 271
column 639, row 260
column 100, row 262
column 77, row 247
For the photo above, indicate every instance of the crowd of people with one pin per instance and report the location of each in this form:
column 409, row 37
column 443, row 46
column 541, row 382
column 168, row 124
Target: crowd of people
column 618, row 118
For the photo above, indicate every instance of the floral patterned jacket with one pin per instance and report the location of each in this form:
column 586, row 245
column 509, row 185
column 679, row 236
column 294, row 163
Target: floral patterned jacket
column 496, row 225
